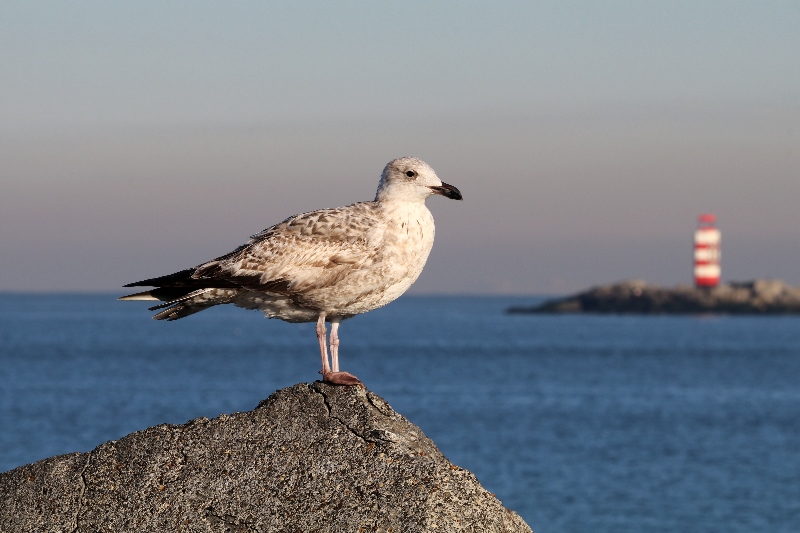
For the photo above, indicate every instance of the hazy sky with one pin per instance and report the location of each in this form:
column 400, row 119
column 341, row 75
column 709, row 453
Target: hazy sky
column 140, row 138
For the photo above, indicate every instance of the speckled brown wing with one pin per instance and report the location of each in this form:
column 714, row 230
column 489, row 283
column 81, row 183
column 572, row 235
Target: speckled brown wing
column 303, row 252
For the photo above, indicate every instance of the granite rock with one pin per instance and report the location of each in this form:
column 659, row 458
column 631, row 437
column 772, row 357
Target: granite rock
column 309, row 458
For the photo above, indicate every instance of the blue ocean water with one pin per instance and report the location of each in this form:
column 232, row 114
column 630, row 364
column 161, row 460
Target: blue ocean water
column 579, row 423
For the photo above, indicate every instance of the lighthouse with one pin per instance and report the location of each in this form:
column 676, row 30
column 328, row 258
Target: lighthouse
column 706, row 252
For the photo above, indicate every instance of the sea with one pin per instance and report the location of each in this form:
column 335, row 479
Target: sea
column 580, row 423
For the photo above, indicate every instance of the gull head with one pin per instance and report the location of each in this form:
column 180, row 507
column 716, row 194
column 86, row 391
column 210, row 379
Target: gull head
column 412, row 180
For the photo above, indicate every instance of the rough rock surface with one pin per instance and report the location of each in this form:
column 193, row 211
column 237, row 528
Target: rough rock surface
column 309, row 458
column 751, row 297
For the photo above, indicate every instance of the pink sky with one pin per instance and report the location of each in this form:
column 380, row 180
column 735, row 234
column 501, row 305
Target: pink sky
column 586, row 137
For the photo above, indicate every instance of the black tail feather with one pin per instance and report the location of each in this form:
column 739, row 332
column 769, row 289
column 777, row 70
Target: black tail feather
column 166, row 294
column 182, row 279
column 180, row 299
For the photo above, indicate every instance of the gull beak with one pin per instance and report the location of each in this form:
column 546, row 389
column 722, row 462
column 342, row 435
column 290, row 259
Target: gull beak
column 448, row 191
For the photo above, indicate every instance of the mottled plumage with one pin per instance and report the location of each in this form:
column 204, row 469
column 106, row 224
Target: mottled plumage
column 323, row 265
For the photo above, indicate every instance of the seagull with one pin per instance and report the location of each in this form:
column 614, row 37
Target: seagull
column 322, row 266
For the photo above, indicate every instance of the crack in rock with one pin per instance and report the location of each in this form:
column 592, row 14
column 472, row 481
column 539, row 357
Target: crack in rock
column 234, row 524
column 82, row 492
column 343, row 423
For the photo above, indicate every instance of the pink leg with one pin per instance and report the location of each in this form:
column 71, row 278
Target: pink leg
column 334, row 342
column 339, row 378
column 323, row 349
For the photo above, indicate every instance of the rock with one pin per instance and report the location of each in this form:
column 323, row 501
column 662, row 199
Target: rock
column 637, row 297
column 309, row 458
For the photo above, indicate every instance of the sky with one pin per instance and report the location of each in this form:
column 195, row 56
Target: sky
column 141, row 138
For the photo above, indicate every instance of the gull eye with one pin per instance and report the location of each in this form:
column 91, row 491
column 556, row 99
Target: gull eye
column 411, row 174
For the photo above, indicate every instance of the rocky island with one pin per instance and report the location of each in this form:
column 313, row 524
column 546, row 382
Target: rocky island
column 312, row 457
column 637, row 297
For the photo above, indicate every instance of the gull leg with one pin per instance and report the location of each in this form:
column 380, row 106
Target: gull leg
column 323, row 349
column 339, row 378
column 334, row 342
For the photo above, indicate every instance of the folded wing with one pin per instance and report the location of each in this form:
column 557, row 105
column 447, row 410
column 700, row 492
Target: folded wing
column 304, row 252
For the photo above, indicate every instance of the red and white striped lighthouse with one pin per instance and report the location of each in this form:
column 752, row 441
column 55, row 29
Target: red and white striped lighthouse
column 706, row 252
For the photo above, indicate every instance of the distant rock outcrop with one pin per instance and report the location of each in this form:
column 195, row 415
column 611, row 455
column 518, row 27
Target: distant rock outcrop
column 309, row 458
column 637, row 297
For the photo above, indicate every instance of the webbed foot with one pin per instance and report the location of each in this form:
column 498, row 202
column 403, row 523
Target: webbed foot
column 340, row 378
